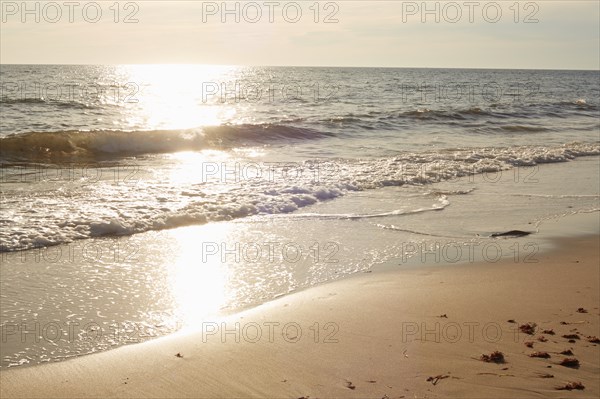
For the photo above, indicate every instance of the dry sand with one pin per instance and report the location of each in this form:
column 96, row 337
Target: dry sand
column 389, row 339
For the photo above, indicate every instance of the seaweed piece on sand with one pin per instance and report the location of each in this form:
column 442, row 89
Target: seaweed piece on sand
column 528, row 328
column 571, row 386
column 542, row 355
column 494, row 357
column 570, row 362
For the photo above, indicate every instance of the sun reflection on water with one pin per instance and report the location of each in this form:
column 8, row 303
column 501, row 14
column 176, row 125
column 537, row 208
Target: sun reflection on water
column 199, row 280
column 171, row 97
column 196, row 167
column 175, row 96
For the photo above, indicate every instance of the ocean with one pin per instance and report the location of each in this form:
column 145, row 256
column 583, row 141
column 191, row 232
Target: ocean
column 139, row 200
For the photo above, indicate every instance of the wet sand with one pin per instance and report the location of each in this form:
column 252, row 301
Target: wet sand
column 417, row 332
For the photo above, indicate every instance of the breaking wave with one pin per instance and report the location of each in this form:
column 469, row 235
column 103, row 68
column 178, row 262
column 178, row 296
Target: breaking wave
column 85, row 145
column 158, row 207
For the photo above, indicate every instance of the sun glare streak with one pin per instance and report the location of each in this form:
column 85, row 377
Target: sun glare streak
column 199, row 282
column 196, row 167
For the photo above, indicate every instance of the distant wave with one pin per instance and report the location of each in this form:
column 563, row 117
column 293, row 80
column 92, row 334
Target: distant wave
column 522, row 128
column 23, row 101
column 44, row 102
column 84, row 145
column 422, row 113
column 579, row 103
column 501, row 113
column 461, row 114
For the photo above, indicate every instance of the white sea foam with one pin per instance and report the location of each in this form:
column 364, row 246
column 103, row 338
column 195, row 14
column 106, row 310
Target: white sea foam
column 119, row 211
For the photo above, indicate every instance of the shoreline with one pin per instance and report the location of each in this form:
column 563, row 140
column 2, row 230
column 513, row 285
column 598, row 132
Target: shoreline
column 107, row 337
column 405, row 326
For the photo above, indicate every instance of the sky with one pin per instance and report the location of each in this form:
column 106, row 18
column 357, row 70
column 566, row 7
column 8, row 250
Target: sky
column 435, row 34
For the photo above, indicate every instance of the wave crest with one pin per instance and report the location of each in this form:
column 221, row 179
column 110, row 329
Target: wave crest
column 85, row 145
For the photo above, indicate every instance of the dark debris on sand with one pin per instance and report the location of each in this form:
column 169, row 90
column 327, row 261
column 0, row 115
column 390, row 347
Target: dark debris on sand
column 570, row 362
column 511, row 233
column 528, row 328
column 543, row 355
column 571, row 386
column 546, row 375
column 494, row 357
column 437, row 378
column 571, row 336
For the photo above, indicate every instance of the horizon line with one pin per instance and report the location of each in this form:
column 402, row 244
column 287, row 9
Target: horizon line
column 309, row 66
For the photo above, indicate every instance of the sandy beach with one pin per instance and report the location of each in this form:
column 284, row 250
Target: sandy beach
column 336, row 199
column 411, row 333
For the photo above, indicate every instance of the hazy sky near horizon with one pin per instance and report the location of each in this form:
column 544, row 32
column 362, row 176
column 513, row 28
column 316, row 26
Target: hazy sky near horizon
column 477, row 34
